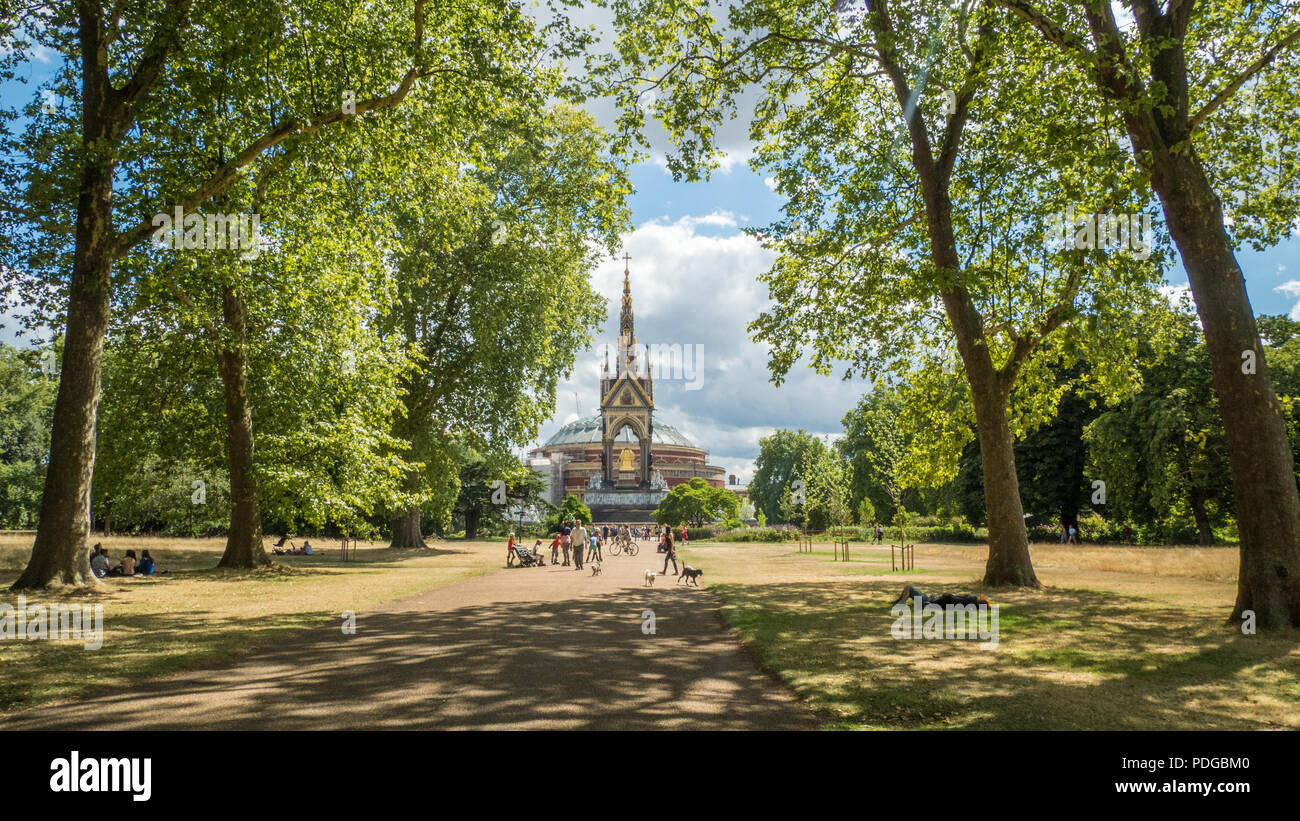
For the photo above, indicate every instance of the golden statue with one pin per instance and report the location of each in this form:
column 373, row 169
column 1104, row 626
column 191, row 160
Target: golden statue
column 626, row 460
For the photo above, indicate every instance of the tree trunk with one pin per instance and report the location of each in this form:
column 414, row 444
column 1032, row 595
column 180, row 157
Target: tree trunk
column 1009, row 562
column 244, row 542
column 1263, row 468
column 471, row 522
column 60, row 553
column 406, row 530
column 1203, row 529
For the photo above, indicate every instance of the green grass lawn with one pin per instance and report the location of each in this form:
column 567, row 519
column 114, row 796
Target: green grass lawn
column 198, row 616
column 1096, row 649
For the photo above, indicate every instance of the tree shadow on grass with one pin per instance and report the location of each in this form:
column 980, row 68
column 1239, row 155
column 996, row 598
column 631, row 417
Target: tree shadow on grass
column 582, row 663
column 1075, row 659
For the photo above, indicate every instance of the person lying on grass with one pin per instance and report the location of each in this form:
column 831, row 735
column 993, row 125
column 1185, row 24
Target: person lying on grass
column 910, row 593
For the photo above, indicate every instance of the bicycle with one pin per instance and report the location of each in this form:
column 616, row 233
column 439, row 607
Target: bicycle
column 624, row 545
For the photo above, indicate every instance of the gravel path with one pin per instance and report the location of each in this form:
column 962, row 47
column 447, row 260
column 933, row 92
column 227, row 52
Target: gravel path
column 524, row 648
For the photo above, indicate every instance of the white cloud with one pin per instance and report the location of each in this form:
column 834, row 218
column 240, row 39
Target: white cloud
column 1177, row 295
column 1290, row 288
column 692, row 288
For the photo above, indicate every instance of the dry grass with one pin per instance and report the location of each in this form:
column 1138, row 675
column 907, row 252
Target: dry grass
column 1120, row 638
column 197, row 615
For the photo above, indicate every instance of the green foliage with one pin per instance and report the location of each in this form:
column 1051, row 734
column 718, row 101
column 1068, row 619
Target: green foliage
column 757, row 534
column 485, row 505
column 570, row 510
column 866, row 512
column 696, row 502
column 26, row 404
column 775, row 469
column 826, row 487
column 1162, row 454
column 873, row 444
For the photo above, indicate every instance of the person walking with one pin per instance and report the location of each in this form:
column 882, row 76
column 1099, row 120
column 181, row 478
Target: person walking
column 1074, row 535
column 555, row 550
column 580, row 541
column 670, row 554
column 566, row 541
column 596, row 542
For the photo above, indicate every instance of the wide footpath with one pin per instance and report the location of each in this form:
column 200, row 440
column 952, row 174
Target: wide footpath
column 523, row 648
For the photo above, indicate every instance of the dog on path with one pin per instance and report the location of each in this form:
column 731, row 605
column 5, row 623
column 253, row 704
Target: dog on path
column 650, row 578
column 691, row 573
column 595, row 568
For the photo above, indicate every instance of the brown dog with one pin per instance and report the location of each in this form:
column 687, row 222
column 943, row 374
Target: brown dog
column 690, row 573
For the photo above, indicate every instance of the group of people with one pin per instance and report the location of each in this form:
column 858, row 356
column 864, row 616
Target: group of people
column 279, row 548
column 574, row 539
column 128, row 566
column 576, row 543
column 1069, row 535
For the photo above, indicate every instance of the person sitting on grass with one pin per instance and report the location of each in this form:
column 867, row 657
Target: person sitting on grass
column 99, row 561
column 146, row 564
column 126, row 567
column 307, row 550
column 910, row 593
column 279, row 549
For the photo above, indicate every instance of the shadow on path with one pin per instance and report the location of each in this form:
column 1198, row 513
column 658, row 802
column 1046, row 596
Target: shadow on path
column 475, row 655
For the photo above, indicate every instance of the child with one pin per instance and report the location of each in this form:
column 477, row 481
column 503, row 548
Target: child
column 555, row 550
column 510, row 551
column 537, row 552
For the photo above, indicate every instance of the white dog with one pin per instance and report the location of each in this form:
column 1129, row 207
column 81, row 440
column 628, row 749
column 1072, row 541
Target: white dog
column 650, row 578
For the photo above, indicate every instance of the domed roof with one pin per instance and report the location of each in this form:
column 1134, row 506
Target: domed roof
column 586, row 431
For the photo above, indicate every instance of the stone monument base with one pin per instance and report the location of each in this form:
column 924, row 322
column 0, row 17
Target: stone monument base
column 615, row 507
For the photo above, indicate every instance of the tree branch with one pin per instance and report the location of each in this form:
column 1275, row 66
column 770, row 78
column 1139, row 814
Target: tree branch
column 224, row 176
column 1231, row 88
column 1053, row 31
column 168, row 34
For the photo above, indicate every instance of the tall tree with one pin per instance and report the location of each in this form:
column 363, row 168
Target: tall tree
column 890, row 129
column 775, row 470
column 696, row 502
column 1162, row 453
column 1207, row 94
column 131, row 65
column 493, row 299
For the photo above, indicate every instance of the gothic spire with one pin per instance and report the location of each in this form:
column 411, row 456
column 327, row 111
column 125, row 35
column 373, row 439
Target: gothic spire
column 625, row 321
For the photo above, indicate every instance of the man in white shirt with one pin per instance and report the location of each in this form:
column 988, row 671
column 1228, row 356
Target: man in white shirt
column 580, row 541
